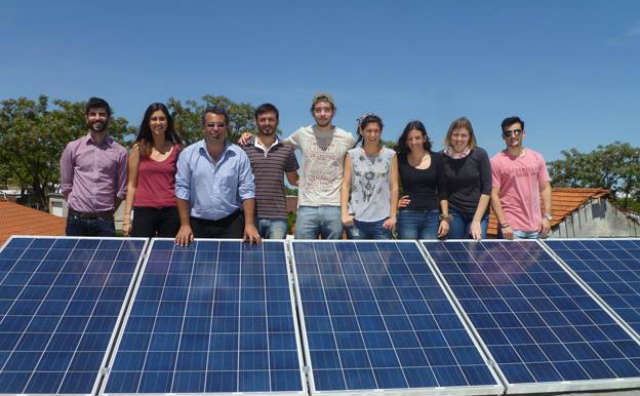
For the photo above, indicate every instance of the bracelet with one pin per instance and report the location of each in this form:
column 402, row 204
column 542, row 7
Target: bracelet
column 444, row 217
column 505, row 225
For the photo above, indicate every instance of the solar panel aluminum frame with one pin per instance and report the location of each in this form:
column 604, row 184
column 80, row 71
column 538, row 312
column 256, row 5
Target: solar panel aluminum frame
column 118, row 327
column 497, row 389
column 541, row 387
column 130, row 307
column 586, row 286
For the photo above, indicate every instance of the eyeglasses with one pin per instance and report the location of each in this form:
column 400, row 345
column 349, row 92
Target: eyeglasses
column 513, row 132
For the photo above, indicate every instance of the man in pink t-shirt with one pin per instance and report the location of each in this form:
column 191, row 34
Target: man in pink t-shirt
column 520, row 179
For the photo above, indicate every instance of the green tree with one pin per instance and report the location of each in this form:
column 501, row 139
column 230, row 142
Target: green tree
column 615, row 166
column 188, row 116
column 33, row 136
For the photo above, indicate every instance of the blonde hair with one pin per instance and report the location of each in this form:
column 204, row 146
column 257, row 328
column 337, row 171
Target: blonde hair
column 462, row 122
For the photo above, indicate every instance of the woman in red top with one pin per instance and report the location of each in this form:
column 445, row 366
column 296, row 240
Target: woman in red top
column 151, row 177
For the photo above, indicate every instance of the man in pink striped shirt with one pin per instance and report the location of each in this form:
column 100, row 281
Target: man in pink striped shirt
column 93, row 175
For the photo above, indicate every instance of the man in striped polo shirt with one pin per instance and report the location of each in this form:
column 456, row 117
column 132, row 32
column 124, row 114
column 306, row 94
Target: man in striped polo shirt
column 270, row 159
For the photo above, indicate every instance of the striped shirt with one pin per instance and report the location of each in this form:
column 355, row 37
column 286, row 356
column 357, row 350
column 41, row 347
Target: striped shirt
column 269, row 166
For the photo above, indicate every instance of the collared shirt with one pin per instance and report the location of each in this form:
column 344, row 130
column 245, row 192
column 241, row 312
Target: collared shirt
column 269, row 166
column 214, row 189
column 93, row 175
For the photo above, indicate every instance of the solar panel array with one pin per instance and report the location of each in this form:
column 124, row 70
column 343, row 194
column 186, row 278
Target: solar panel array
column 60, row 301
column 610, row 267
column 216, row 316
column 545, row 332
column 375, row 317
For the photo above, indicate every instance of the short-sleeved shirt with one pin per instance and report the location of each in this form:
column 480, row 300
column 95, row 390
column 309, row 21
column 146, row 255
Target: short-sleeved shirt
column 214, row 189
column 425, row 187
column 155, row 187
column 269, row 166
column 370, row 188
column 519, row 180
column 93, row 175
column 467, row 179
column 322, row 164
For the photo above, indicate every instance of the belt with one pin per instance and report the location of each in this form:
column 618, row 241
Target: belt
column 107, row 214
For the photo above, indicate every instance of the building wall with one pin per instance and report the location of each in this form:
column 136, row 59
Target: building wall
column 597, row 218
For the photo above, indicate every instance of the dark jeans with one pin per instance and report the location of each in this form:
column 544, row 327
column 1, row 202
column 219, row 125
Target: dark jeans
column 418, row 224
column 371, row 230
column 152, row 222
column 97, row 226
column 460, row 227
column 231, row 226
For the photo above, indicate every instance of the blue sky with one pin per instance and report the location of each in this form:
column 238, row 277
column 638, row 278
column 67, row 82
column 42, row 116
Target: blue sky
column 571, row 69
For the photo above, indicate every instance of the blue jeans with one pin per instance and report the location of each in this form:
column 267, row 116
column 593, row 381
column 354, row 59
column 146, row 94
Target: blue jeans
column 517, row 234
column 418, row 224
column 371, row 230
column 272, row 228
column 323, row 220
column 98, row 226
column 460, row 227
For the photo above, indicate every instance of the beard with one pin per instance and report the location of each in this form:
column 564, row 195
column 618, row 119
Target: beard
column 98, row 126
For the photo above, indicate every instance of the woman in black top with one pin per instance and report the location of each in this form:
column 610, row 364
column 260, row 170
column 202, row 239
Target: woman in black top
column 423, row 185
column 468, row 181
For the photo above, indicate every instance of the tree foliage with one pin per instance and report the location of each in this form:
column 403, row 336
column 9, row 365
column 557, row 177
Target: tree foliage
column 33, row 136
column 188, row 117
column 615, row 166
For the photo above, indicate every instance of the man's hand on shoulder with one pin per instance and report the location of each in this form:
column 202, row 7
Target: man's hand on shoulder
column 245, row 138
column 184, row 236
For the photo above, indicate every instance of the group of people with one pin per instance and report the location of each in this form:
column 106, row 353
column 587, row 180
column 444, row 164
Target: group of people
column 215, row 188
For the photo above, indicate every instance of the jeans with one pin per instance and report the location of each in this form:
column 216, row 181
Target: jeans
column 371, row 230
column 323, row 220
column 517, row 234
column 152, row 222
column 97, row 226
column 460, row 227
column 418, row 224
column 272, row 228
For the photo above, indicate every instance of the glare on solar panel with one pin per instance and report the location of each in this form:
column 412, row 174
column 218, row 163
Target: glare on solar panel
column 214, row 317
column 60, row 302
column 374, row 317
column 544, row 331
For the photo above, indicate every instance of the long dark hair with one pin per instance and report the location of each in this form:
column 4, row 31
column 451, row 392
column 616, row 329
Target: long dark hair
column 145, row 138
column 365, row 120
column 402, row 149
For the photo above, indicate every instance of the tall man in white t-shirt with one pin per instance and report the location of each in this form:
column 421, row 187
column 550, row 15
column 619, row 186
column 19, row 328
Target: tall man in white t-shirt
column 323, row 147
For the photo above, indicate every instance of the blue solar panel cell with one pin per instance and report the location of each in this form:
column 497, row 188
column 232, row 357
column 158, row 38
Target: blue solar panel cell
column 60, row 299
column 611, row 268
column 375, row 317
column 539, row 325
column 212, row 317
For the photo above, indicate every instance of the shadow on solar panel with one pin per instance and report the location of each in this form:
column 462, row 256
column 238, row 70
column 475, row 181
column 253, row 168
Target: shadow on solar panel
column 60, row 303
column 374, row 317
column 545, row 332
column 214, row 317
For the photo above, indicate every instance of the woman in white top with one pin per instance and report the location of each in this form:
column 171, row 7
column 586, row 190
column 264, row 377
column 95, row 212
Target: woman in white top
column 371, row 178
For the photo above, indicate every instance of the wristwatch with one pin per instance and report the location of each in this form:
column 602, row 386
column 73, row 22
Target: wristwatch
column 548, row 216
column 444, row 217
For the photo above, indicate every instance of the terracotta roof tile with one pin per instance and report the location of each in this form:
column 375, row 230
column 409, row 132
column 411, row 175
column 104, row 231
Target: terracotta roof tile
column 564, row 201
column 16, row 219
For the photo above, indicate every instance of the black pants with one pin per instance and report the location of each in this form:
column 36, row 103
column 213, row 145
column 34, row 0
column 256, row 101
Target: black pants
column 231, row 226
column 152, row 222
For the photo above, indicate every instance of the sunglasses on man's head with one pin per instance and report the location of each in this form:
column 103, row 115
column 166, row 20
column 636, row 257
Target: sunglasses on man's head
column 512, row 132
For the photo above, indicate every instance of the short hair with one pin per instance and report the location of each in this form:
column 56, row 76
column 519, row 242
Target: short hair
column 510, row 121
column 402, row 148
column 219, row 110
column 94, row 103
column 462, row 122
column 323, row 97
column 265, row 108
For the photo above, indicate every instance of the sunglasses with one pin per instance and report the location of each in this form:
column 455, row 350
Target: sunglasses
column 513, row 132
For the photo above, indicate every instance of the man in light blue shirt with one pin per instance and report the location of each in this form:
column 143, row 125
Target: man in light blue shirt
column 214, row 185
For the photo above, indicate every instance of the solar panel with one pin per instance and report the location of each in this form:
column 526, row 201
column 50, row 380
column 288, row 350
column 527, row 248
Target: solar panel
column 544, row 331
column 610, row 267
column 376, row 318
column 60, row 302
column 214, row 317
